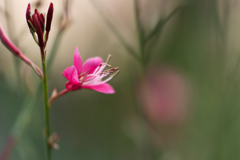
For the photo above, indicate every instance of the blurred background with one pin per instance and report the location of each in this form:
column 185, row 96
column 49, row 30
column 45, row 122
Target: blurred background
column 177, row 95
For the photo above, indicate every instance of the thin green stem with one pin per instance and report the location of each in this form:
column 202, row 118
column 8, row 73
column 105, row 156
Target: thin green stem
column 148, row 148
column 140, row 32
column 161, row 22
column 115, row 31
column 31, row 101
column 47, row 116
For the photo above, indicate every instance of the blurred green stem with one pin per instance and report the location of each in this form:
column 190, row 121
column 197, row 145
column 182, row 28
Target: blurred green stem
column 161, row 22
column 158, row 28
column 147, row 149
column 115, row 32
column 47, row 116
column 140, row 32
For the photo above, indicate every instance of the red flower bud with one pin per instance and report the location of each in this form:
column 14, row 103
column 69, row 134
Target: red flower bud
column 49, row 17
column 41, row 20
column 37, row 25
column 28, row 15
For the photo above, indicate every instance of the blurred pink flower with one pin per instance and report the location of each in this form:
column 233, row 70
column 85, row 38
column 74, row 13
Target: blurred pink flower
column 89, row 75
column 164, row 95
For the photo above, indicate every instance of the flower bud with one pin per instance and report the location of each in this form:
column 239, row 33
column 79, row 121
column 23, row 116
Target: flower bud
column 28, row 15
column 37, row 25
column 53, row 139
column 41, row 20
column 42, row 16
column 49, row 17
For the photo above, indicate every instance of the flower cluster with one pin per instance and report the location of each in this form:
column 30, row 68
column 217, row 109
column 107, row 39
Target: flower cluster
column 36, row 23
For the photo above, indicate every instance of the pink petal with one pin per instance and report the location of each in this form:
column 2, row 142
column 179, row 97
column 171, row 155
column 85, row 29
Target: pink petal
column 69, row 85
column 77, row 61
column 91, row 64
column 71, row 74
column 72, row 87
column 103, row 88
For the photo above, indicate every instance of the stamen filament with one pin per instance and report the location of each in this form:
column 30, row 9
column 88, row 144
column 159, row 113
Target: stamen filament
column 96, row 77
column 108, row 59
column 85, row 76
column 115, row 73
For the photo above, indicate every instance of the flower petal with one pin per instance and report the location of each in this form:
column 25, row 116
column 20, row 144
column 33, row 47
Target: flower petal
column 69, row 85
column 72, row 87
column 77, row 61
column 103, row 88
column 91, row 64
column 71, row 74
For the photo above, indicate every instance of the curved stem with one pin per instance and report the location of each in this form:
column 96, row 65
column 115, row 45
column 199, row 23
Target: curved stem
column 47, row 117
column 12, row 48
column 58, row 95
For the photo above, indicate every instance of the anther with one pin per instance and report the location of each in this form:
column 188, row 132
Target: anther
column 116, row 68
column 111, row 70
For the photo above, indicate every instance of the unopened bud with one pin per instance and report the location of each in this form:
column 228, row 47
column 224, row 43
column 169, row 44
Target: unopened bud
column 42, row 16
column 53, row 139
column 38, row 28
column 28, row 15
column 54, row 93
column 49, row 17
column 41, row 20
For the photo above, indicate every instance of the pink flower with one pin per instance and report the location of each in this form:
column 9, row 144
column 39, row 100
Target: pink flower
column 164, row 95
column 89, row 75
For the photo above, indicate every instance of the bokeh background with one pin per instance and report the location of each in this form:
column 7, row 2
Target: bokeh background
column 177, row 95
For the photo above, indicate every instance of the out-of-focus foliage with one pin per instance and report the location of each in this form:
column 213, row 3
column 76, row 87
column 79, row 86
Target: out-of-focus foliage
column 199, row 43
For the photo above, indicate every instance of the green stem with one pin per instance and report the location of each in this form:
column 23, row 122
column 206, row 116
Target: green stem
column 141, row 36
column 31, row 101
column 141, row 50
column 116, row 32
column 47, row 117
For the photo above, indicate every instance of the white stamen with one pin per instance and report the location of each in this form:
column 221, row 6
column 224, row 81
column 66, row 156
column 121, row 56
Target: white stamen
column 96, row 77
column 99, row 69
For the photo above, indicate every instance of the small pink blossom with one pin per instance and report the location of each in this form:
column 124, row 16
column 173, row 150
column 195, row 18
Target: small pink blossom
column 164, row 95
column 90, row 74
